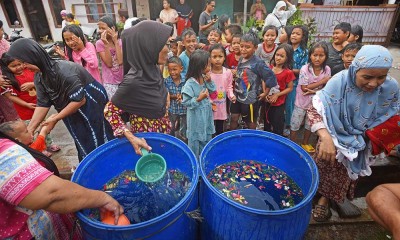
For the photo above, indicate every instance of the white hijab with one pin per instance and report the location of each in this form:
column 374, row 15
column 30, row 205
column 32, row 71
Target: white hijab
column 279, row 13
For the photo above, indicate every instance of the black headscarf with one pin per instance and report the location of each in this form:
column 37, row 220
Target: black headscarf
column 142, row 91
column 57, row 81
column 32, row 52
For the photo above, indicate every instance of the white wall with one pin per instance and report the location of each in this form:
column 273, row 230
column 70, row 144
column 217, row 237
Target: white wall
column 80, row 12
column 25, row 30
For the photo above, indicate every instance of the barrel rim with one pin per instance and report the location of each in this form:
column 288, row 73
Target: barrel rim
column 169, row 213
column 250, row 132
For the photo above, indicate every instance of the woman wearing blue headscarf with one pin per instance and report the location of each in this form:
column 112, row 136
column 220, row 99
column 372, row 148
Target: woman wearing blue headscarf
column 352, row 102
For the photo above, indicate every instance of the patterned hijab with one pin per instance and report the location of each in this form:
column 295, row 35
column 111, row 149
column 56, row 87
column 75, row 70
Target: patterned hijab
column 349, row 111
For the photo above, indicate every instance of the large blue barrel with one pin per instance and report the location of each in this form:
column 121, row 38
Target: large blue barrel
column 116, row 156
column 227, row 219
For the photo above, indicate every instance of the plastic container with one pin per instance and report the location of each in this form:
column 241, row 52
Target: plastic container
column 226, row 219
column 112, row 158
column 151, row 167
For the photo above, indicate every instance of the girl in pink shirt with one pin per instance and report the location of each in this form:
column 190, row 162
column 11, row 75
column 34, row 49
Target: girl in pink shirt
column 79, row 50
column 109, row 48
column 313, row 77
column 222, row 78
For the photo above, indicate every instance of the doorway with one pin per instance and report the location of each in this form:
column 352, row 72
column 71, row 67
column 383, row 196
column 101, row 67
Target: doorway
column 37, row 20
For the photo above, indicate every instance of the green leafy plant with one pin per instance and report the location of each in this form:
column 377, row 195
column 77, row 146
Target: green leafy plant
column 310, row 23
column 255, row 24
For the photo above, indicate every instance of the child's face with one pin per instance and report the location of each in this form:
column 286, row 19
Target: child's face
column 121, row 19
column 247, row 49
column 22, row 134
column 296, row 36
column 190, row 43
column 352, row 38
column 68, row 19
column 283, row 38
column 16, row 67
column 69, row 40
column 207, row 69
column 213, row 37
column 175, row 70
column 269, row 37
column 280, row 57
column 228, row 36
column 236, row 45
column 217, row 57
column 174, row 48
column 165, row 4
column 102, row 27
column 339, row 36
column 348, row 56
column 318, row 57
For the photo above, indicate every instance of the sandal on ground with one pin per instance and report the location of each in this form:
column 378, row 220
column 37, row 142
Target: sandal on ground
column 321, row 213
column 308, row 148
column 348, row 209
column 53, row 148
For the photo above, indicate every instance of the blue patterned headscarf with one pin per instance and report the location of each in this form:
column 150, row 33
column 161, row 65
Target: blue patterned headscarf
column 349, row 111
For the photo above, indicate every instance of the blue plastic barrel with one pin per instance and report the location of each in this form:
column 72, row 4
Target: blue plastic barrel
column 227, row 219
column 116, row 156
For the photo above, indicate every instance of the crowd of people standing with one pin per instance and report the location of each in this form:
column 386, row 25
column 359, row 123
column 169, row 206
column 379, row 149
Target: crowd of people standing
column 163, row 77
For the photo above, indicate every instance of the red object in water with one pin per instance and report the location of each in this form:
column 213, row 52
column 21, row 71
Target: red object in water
column 108, row 218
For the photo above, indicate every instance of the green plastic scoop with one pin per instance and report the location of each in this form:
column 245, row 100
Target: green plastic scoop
column 151, row 167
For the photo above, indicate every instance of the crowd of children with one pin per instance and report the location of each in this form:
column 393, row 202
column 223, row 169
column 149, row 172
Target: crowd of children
column 257, row 85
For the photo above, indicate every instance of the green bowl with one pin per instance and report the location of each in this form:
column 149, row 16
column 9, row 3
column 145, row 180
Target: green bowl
column 151, row 167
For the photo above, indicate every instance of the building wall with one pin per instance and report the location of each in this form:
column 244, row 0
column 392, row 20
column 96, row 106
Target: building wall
column 80, row 13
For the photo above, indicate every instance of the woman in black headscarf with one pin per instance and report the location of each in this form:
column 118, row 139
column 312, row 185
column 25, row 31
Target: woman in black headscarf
column 142, row 94
column 78, row 98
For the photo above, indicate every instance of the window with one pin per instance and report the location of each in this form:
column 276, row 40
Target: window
column 56, row 6
column 96, row 9
column 11, row 12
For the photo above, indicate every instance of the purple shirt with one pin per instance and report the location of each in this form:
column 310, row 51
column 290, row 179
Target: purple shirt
column 115, row 74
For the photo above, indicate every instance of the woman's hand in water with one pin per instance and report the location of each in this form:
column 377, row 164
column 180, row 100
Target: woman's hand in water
column 136, row 142
column 110, row 204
